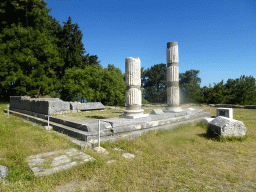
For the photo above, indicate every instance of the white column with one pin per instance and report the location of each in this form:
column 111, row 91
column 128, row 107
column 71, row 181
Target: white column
column 173, row 92
column 133, row 95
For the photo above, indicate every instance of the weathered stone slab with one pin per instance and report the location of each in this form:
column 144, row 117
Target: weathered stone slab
column 128, row 155
column 173, row 110
column 227, row 127
column 225, row 112
column 86, row 106
column 3, row 172
column 207, row 120
column 101, row 150
column 49, row 163
column 156, row 111
column 50, row 105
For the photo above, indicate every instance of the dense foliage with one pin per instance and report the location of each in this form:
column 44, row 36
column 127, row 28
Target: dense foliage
column 28, row 58
column 154, row 83
column 239, row 91
column 94, row 83
column 190, row 87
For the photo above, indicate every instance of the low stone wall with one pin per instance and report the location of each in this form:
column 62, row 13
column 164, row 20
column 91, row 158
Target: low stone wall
column 234, row 106
column 39, row 105
column 49, row 105
column 86, row 106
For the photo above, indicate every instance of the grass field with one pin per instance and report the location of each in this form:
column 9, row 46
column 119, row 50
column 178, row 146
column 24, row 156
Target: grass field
column 185, row 159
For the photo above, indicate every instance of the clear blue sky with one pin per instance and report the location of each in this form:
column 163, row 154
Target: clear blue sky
column 216, row 37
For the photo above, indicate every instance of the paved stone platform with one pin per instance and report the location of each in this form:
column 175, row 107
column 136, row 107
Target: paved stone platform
column 52, row 162
column 85, row 132
column 49, row 163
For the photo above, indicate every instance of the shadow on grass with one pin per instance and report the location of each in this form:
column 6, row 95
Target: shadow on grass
column 217, row 137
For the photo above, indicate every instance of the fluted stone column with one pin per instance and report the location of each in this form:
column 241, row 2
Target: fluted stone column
column 173, row 93
column 133, row 93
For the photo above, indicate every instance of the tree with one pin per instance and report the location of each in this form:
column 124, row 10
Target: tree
column 93, row 60
column 94, row 83
column 238, row 91
column 219, row 94
column 154, row 83
column 113, row 86
column 27, row 57
column 82, row 84
column 231, row 86
column 207, row 94
column 190, row 86
column 72, row 48
column 246, row 90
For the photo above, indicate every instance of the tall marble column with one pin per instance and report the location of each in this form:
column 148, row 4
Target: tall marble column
column 173, row 93
column 133, row 93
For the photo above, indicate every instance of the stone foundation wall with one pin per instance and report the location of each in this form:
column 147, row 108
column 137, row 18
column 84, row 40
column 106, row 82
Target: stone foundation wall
column 49, row 105
column 234, row 106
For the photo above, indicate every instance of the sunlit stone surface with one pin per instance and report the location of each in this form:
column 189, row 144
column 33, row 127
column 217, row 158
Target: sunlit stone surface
column 133, row 95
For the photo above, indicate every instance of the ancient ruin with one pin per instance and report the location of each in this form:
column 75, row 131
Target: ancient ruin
column 133, row 93
column 49, row 106
column 227, row 127
column 173, row 94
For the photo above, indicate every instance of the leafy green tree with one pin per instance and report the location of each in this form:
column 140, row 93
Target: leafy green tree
column 154, row 83
column 113, row 86
column 28, row 59
column 82, row 84
column 72, row 48
column 94, row 83
column 220, row 94
column 93, row 60
column 246, row 90
column 207, row 94
column 231, row 86
column 240, row 91
column 190, row 86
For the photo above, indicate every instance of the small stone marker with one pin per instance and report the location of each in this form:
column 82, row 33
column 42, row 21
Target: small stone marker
column 48, row 128
column 3, row 172
column 226, row 112
column 111, row 161
column 49, row 163
column 227, row 127
column 117, row 149
column 157, row 111
column 128, row 155
column 101, row 150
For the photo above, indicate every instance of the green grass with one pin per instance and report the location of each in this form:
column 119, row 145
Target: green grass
column 189, row 158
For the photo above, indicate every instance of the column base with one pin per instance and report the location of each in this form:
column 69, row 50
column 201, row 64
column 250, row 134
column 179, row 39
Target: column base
column 173, row 110
column 133, row 114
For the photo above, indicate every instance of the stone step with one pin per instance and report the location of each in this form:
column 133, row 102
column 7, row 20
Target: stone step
column 72, row 132
column 137, row 133
column 129, row 131
column 89, row 127
column 150, row 124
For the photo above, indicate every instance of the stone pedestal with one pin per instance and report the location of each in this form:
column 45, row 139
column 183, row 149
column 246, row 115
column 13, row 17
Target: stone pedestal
column 226, row 112
column 133, row 93
column 173, row 93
